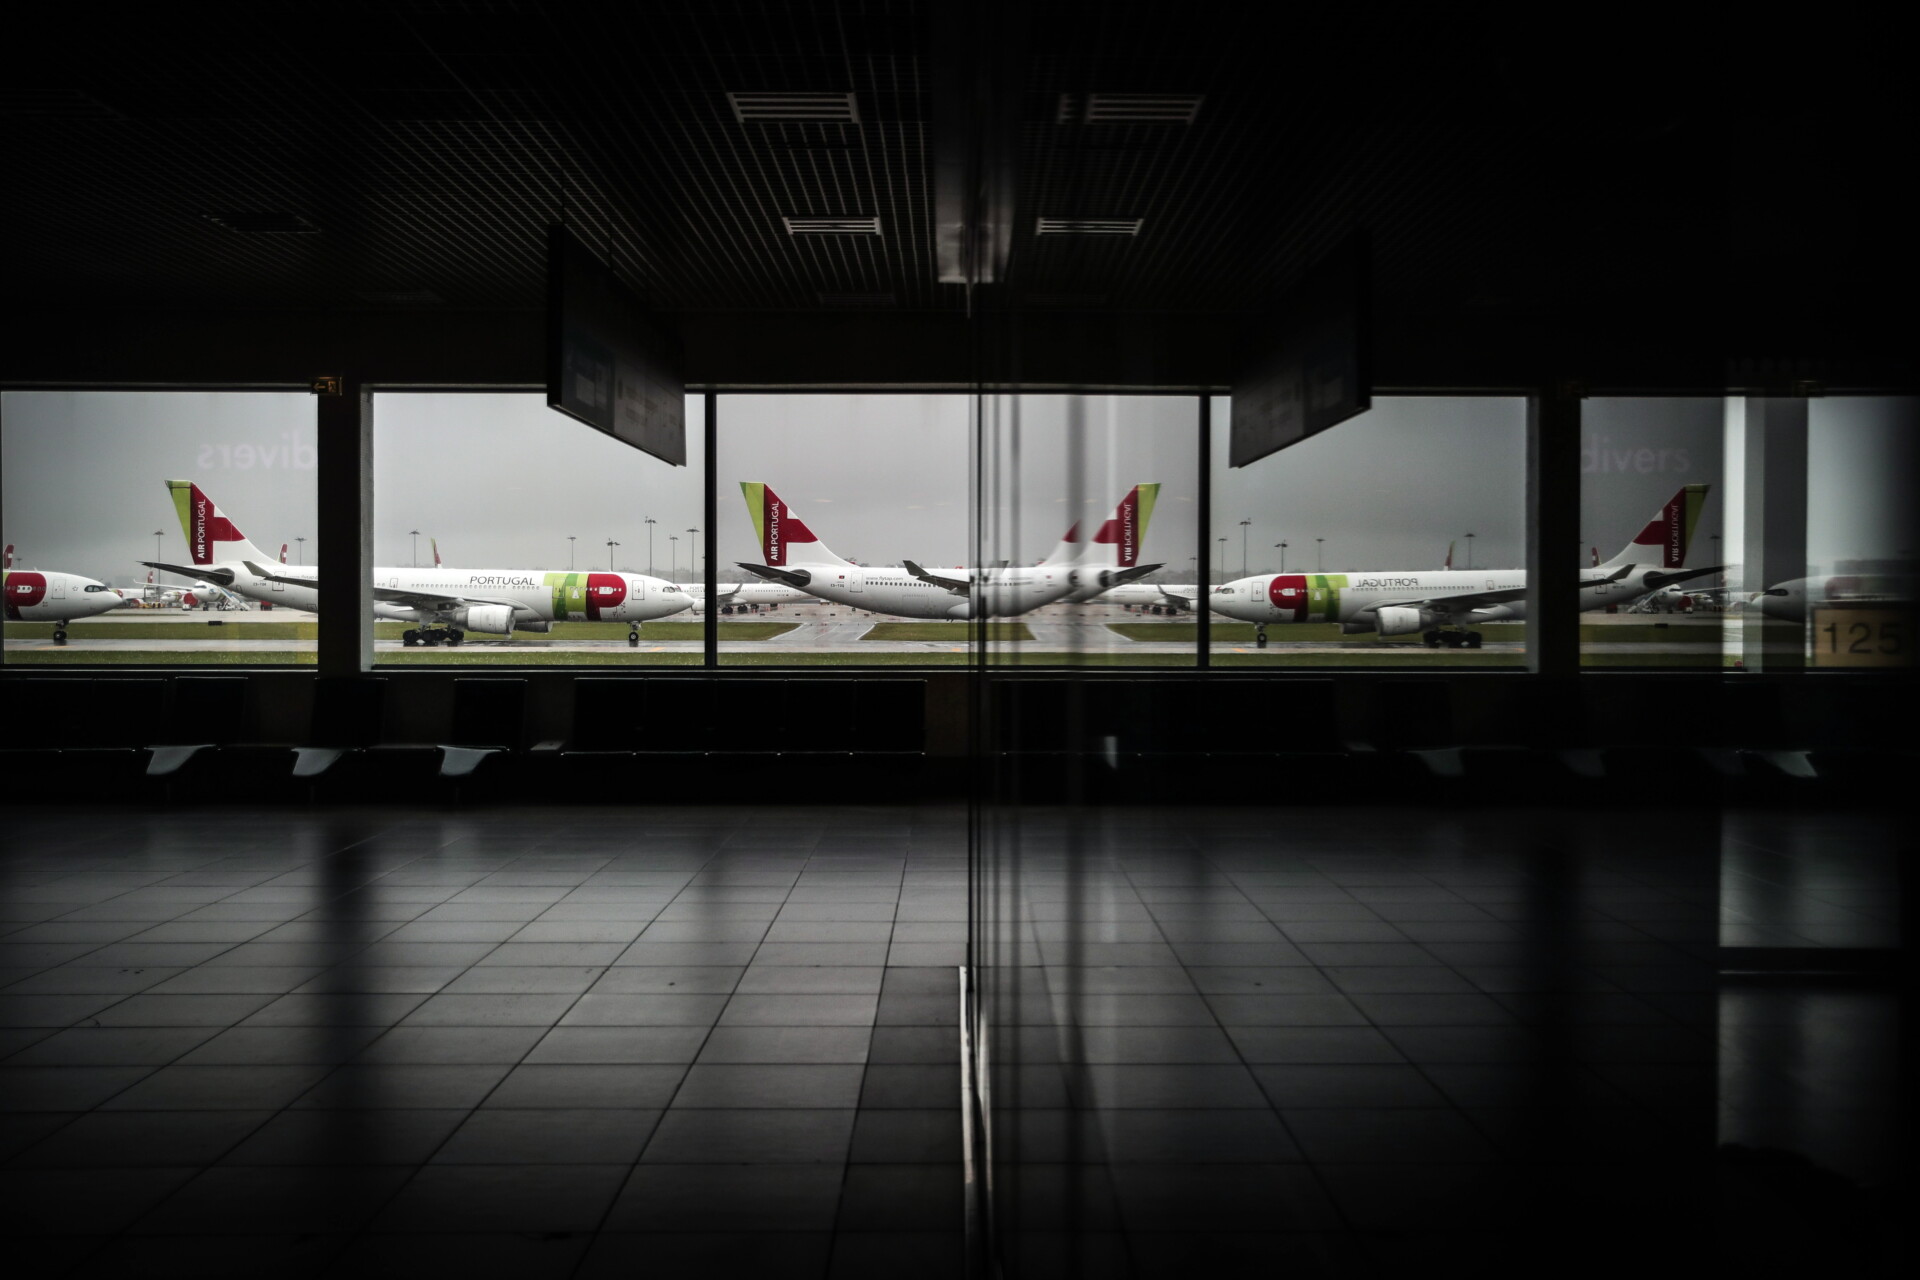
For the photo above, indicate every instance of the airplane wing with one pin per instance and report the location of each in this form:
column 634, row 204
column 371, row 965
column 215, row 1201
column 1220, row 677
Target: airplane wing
column 1121, row 577
column 959, row 586
column 425, row 601
column 1470, row 601
column 796, row 578
column 1185, row 602
column 202, row 572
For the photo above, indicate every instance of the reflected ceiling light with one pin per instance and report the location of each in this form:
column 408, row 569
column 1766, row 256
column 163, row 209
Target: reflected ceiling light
column 1088, row 226
column 263, row 224
column 1129, row 108
column 832, row 226
column 794, row 108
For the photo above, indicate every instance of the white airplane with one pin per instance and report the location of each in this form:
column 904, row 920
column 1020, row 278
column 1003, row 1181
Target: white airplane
column 742, row 596
column 1795, row 599
column 795, row 557
column 1154, row 597
column 1443, row 605
column 37, row 595
column 446, row 603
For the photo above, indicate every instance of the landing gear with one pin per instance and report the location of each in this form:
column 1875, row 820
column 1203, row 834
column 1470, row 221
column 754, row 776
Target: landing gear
column 59, row 635
column 633, row 636
column 431, row 636
column 454, row 636
column 1259, row 637
column 410, row 637
column 1453, row 639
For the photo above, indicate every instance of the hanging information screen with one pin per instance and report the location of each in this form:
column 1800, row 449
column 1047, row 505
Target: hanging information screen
column 609, row 363
column 1306, row 366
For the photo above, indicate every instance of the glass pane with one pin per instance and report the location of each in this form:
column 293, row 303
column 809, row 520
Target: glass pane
column 1653, row 507
column 1397, row 538
column 1096, row 495
column 507, row 533
column 101, row 486
column 1857, row 601
column 844, row 534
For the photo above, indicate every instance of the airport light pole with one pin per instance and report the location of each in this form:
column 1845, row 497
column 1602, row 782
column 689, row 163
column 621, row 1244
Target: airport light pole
column 158, row 534
column 1283, row 555
column 693, row 555
column 673, row 558
column 300, row 550
column 570, row 538
column 415, row 535
column 1244, row 525
column 650, row 523
column 1320, row 555
column 1470, row 551
column 611, row 544
column 1223, row 558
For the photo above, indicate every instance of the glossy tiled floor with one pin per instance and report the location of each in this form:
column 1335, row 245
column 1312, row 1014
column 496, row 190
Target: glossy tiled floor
column 1353, row 1042
column 586, row 1042
column 714, row 1042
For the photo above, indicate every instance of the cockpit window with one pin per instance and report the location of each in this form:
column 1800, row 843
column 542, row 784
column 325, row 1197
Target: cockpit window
column 94, row 586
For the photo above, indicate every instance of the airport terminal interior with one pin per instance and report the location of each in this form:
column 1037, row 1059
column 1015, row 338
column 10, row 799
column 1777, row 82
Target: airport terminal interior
column 852, row 638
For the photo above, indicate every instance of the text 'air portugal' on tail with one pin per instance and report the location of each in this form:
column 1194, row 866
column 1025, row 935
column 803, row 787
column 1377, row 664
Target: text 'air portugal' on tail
column 211, row 537
column 1665, row 540
column 784, row 537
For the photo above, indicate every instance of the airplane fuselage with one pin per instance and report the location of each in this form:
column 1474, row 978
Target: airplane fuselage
column 1357, row 600
column 534, row 595
column 34, row 595
column 1003, row 592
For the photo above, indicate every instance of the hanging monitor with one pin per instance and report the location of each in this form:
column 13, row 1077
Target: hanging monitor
column 1307, row 363
column 610, row 363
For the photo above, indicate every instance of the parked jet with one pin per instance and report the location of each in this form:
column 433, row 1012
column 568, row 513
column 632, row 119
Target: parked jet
column 39, row 595
column 1795, row 599
column 1442, row 606
column 446, row 603
column 1155, row 597
column 797, row 558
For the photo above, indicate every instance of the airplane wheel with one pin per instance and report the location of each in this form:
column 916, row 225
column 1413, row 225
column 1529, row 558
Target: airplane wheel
column 633, row 636
column 59, row 635
column 1431, row 639
column 455, row 637
column 409, row 638
column 1474, row 640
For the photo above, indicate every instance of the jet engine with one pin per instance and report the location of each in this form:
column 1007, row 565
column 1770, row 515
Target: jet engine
column 1398, row 620
column 1357, row 628
column 494, row 618
column 540, row 625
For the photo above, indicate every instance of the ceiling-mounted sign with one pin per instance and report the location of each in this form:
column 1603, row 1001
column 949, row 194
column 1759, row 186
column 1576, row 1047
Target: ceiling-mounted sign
column 610, row 363
column 1307, row 363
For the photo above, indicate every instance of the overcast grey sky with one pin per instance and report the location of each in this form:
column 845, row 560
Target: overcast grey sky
column 502, row 480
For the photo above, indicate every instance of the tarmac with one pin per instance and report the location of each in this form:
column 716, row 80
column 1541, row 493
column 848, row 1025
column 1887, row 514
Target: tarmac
column 1070, row 629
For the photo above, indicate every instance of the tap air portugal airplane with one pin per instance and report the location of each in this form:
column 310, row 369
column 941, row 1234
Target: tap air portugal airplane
column 1112, row 559
column 1442, row 605
column 446, row 603
column 38, row 595
column 795, row 557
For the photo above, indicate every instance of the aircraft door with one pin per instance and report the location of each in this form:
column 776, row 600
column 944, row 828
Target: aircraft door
column 56, row 587
column 856, row 580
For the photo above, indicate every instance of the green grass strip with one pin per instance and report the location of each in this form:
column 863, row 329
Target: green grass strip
column 958, row 633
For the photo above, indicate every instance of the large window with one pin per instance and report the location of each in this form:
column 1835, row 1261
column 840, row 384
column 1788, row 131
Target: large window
column 1660, row 599
column 99, row 485
column 507, row 533
column 853, row 511
column 1396, row 538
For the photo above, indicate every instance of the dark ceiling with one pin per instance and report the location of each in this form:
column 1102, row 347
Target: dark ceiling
column 1746, row 189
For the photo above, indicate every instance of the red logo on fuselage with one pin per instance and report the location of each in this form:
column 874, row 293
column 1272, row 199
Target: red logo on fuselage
column 1287, row 593
column 24, row 590
column 605, row 591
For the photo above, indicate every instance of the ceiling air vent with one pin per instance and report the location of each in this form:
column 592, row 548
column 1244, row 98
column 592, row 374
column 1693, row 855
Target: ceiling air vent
column 794, row 108
column 263, row 224
column 867, row 300
column 832, row 226
column 1088, row 226
column 1129, row 108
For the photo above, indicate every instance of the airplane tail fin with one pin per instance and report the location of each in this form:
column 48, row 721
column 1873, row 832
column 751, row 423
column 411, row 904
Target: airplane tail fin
column 1596, row 557
column 435, row 544
column 211, row 537
column 1449, row 563
column 784, row 536
column 283, row 553
column 1068, row 549
column 1665, row 540
column 9, row 563
column 1121, row 537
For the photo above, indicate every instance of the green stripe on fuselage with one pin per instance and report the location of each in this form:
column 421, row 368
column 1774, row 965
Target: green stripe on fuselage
column 569, row 595
column 1323, row 596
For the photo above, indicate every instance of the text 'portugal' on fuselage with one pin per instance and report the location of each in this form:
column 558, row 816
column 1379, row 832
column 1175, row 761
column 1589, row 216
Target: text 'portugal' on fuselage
column 1438, row 604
